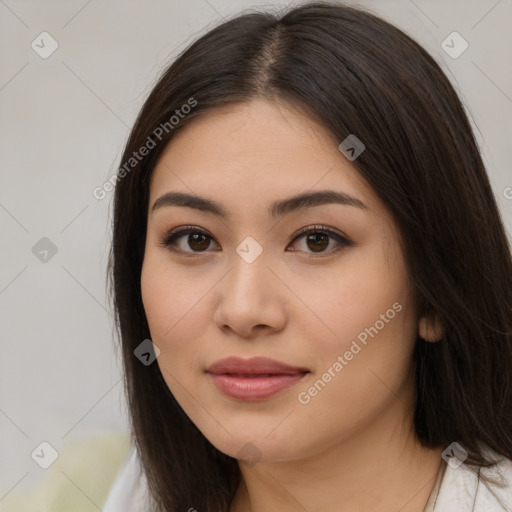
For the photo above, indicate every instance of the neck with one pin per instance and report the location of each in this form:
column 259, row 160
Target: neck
column 380, row 468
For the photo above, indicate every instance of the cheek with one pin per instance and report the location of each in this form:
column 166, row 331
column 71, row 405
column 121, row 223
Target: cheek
column 171, row 299
column 159, row 299
column 355, row 293
column 168, row 315
column 369, row 323
column 178, row 315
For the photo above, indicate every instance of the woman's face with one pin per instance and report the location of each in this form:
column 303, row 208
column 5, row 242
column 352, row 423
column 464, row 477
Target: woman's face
column 337, row 311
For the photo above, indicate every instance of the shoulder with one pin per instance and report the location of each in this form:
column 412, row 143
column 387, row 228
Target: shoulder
column 464, row 490
column 129, row 493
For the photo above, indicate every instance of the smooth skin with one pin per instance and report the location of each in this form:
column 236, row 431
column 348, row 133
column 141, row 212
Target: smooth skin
column 352, row 446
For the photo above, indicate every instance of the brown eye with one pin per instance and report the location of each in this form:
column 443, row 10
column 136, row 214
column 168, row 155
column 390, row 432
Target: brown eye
column 318, row 238
column 188, row 239
column 317, row 242
column 198, row 241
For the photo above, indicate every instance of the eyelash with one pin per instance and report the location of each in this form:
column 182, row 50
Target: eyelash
column 170, row 239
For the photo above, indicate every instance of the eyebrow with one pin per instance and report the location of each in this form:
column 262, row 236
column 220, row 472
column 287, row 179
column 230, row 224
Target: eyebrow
column 276, row 209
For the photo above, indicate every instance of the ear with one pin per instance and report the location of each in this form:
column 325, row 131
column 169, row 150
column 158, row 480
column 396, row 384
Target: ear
column 430, row 328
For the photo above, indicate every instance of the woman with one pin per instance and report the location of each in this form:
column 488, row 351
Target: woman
column 311, row 279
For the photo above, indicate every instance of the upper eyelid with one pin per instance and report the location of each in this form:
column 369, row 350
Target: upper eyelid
column 319, row 227
column 183, row 230
column 177, row 233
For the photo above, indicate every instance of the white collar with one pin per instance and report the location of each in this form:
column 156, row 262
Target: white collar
column 129, row 492
column 462, row 490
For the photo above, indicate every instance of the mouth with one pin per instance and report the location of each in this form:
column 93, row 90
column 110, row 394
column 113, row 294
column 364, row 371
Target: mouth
column 253, row 379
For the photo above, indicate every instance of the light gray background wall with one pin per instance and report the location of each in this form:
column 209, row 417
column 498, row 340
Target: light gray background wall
column 63, row 123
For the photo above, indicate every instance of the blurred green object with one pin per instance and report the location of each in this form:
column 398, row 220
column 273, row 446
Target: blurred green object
column 78, row 481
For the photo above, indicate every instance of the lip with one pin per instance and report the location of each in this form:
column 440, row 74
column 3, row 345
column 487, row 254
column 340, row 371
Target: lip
column 253, row 379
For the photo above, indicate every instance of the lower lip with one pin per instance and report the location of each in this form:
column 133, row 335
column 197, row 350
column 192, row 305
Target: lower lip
column 254, row 388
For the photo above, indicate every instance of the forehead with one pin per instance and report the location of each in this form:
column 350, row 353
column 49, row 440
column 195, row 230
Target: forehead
column 255, row 152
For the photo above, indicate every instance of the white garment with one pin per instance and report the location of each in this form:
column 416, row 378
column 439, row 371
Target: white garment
column 460, row 490
column 129, row 493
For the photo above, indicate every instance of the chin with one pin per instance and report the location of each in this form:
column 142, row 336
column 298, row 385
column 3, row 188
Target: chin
column 253, row 444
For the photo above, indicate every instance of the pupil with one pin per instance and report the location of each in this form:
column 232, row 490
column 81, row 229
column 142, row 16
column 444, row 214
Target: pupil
column 316, row 239
column 195, row 238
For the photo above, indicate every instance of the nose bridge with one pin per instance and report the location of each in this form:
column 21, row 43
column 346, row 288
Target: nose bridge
column 248, row 298
column 249, row 273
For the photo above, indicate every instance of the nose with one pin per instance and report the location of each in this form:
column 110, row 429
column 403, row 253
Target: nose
column 252, row 300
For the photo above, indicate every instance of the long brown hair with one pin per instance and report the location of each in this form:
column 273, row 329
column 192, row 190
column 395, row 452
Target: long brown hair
column 356, row 74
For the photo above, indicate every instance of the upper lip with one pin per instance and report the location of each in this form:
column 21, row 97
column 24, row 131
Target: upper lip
column 253, row 366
